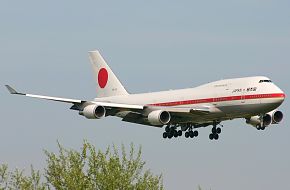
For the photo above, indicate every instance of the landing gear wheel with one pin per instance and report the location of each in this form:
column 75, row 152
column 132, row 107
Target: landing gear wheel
column 179, row 133
column 170, row 135
column 211, row 136
column 216, row 137
column 165, row 135
column 167, row 129
column 175, row 134
column 262, row 128
column 195, row 133
column 191, row 134
column 218, row 130
column 186, row 134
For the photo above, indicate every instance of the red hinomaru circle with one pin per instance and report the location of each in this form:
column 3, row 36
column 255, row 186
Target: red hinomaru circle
column 103, row 77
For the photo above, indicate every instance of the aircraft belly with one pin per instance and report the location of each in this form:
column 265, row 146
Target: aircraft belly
column 230, row 112
column 243, row 110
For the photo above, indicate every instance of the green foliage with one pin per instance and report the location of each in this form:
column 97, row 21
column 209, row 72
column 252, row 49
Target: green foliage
column 86, row 169
column 17, row 180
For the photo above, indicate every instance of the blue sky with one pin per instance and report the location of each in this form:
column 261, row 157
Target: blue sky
column 151, row 46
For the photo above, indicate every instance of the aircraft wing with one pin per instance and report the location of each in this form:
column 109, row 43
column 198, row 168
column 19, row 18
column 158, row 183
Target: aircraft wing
column 179, row 114
column 66, row 100
column 78, row 104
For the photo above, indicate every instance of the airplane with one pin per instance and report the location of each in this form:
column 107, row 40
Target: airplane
column 255, row 99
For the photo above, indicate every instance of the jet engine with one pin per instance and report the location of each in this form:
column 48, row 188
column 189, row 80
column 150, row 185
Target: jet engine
column 159, row 117
column 277, row 117
column 273, row 117
column 93, row 112
column 258, row 122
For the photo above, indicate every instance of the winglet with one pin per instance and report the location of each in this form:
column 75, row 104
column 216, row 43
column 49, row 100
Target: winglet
column 12, row 90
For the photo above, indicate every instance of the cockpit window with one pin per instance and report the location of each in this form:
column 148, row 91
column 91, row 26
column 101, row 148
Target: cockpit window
column 264, row 81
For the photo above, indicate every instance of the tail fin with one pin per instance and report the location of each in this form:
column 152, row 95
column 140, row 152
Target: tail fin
column 107, row 83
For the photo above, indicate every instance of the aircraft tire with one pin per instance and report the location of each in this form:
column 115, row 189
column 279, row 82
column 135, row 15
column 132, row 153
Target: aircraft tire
column 165, row 135
column 170, row 134
column 216, row 136
column 175, row 133
column 179, row 133
column 195, row 133
column 262, row 128
column 211, row 136
column 191, row 134
column 167, row 129
column 218, row 130
column 186, row 135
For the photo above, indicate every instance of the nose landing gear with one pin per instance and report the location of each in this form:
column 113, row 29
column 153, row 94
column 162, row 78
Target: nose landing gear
column 260, row 127
column 215, row 132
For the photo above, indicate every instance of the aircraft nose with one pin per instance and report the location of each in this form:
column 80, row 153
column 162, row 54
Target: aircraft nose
column 280, row 96
column 283, row 96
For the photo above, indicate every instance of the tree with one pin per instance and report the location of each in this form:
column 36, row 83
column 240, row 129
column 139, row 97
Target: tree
column 17, row 180
column 86, row 169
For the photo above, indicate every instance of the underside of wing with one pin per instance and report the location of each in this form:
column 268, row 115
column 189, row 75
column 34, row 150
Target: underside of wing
column 197, row 110
column 186, row 114
column 177, row 115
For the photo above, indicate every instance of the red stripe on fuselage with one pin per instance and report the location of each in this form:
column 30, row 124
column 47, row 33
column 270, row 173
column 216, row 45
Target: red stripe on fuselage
column 220, row 99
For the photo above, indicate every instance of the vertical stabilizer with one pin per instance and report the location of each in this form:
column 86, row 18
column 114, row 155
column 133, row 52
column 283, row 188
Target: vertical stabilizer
column 107, row 82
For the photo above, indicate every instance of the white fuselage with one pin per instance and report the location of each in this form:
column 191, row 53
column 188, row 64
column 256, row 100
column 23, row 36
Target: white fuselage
column 231, row 98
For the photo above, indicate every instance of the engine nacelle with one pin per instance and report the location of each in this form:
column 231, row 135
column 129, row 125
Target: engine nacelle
column 257, row 122
column 159, row 117
column 93, row 112
column 277, row 117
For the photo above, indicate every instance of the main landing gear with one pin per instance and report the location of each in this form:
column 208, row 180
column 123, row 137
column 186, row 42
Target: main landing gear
column 191, row 134
column 259, row 127
column 215, row 131
column 171, row 131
